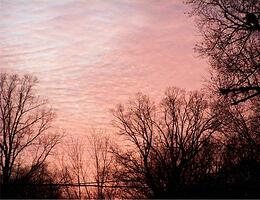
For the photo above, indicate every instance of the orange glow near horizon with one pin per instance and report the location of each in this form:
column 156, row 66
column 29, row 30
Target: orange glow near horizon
column 91, row 55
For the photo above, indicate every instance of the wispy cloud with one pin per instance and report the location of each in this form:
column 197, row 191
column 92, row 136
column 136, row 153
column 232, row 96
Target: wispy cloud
column 89, row 55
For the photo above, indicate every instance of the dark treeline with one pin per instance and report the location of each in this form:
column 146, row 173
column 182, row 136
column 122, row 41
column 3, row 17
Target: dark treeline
column 186, row 146
column 200, row 144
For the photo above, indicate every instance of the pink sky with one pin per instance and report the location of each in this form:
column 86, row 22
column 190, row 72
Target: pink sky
column 90, row 55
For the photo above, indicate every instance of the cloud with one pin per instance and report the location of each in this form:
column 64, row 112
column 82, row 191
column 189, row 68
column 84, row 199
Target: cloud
column 89, row 55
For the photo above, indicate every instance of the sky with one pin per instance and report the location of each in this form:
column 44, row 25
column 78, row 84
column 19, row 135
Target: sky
column 90, row 55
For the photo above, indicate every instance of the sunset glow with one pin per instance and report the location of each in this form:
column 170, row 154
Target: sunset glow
column 129, row 99
column 90, row 55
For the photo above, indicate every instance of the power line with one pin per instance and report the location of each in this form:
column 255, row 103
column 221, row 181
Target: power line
column 86, row 184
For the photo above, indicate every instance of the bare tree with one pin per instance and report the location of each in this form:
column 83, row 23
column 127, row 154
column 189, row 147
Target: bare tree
column 102, row 165
column 237, row 159
column 239, row 131
column 24, row 121
column 231, row 33
column 74, row 169
column 86, row 168
column 169, row 146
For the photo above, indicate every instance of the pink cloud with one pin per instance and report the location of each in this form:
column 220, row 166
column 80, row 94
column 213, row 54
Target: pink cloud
column 90, row 55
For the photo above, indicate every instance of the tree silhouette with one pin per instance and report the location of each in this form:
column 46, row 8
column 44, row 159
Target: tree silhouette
column 231, row 33
column 24, row 121
column 170, row 145
column 102, row 165
column 37, row 185
column 85, row 171
column 74, row 169
column 238, row 158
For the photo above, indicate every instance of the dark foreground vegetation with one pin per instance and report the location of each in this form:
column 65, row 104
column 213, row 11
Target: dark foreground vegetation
column 201, row 144
column 186, row 146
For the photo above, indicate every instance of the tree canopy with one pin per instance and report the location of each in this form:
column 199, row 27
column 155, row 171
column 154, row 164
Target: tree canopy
column 231, row 40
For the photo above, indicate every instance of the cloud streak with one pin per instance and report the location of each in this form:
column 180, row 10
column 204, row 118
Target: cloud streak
column 90, row 55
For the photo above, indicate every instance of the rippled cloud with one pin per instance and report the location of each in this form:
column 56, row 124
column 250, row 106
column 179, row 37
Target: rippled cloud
column 91, row 54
